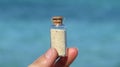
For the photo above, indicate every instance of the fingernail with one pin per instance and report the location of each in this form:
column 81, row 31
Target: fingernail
column 49, row 53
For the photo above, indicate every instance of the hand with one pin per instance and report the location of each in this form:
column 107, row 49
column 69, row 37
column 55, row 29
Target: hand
column 51, row 59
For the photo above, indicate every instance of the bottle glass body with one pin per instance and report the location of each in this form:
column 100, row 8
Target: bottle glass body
column 58, row 39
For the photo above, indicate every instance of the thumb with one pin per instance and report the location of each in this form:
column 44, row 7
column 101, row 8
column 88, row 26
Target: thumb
column 46, row 60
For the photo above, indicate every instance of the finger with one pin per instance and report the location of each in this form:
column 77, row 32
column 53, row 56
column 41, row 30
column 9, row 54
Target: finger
column 46, row 60
column 67, row 60
column 72, row 54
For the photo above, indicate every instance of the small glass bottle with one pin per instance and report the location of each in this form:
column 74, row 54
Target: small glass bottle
column 58, row 35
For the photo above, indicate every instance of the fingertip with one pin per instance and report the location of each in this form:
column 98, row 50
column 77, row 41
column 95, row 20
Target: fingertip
column 51, row 53
column 46, row 60
column 72, row 54
column 72, row 50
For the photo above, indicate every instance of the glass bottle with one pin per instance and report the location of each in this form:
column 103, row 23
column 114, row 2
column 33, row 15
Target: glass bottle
column 58, row 35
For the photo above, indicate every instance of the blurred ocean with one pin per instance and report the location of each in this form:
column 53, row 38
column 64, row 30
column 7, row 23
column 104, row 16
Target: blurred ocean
column 92, row 26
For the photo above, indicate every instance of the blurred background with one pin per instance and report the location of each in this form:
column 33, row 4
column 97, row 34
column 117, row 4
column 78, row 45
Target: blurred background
column 93, row 26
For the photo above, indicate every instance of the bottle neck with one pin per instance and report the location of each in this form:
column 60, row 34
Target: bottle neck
column 57, row 24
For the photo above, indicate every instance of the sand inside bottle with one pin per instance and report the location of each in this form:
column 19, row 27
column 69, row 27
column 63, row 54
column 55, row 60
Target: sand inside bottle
column 58, row 41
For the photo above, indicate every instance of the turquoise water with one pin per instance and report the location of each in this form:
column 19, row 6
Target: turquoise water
column 98, row 43
column 92, row 27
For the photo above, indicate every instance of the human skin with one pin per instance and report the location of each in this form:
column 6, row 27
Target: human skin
column 51, row 59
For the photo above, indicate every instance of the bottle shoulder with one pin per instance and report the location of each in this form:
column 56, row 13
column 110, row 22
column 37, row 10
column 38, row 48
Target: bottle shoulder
column 58, row 27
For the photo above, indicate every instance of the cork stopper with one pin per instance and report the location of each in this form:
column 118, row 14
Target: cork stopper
column 57, row 20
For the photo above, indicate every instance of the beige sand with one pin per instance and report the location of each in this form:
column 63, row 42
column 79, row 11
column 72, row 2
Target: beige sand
column 58, row 41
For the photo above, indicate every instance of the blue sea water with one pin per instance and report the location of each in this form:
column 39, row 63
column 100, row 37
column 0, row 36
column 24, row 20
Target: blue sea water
column 92, row 27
